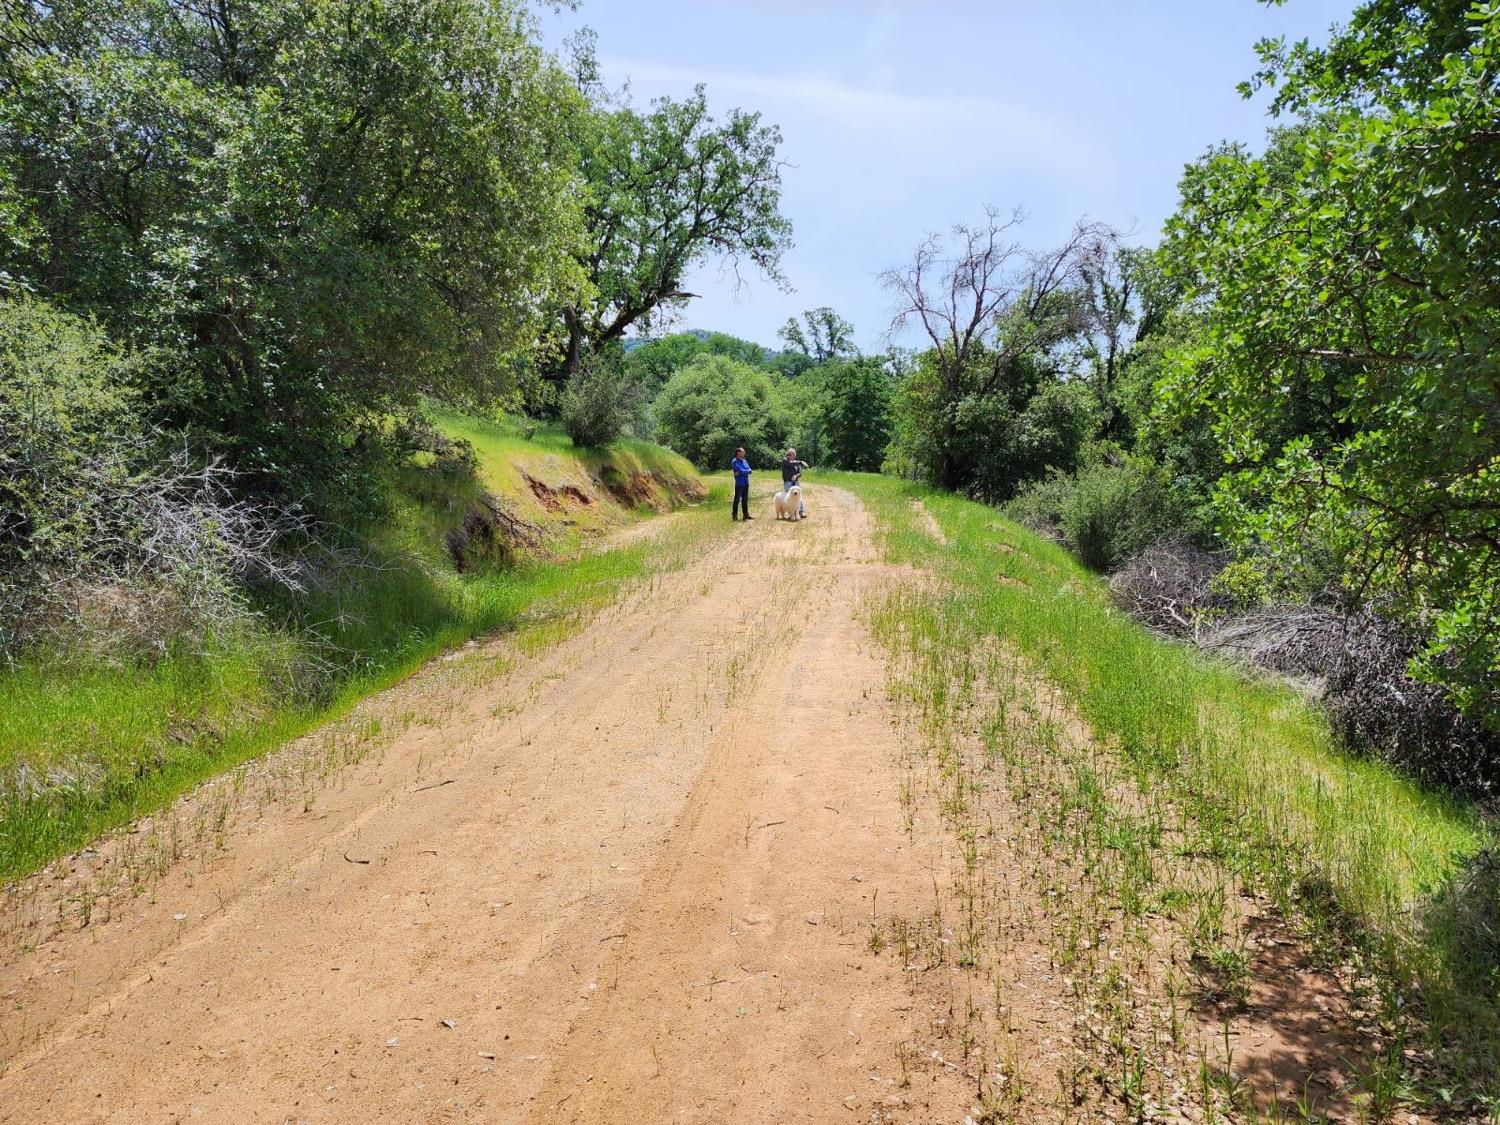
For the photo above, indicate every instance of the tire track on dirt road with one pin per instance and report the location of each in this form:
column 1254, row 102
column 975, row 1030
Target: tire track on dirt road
column 631, row 883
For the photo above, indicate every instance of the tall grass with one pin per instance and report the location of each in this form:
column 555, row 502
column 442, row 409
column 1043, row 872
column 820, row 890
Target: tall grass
column 85, row 748
column 1345, row 844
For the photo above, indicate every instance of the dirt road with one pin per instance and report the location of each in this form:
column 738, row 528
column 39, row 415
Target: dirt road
column 628, row 880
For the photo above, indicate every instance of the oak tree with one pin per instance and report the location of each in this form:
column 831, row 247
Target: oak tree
column 666, row 189
column 1354, row 265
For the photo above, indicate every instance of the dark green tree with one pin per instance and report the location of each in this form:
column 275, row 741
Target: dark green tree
column 856, row 413
column 1127, row 298
column 715, row 404
column 1353, row 267
column 667, row 189
column 1032, row 424
column 324, row 209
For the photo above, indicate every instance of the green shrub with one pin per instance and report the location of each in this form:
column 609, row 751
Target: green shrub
column 65, row 405
column 1116, row 511
column 117, row 541
column 1106, row 513
column 989, row 446
column 1038, row 507
column 599, row 402
column 715, row 404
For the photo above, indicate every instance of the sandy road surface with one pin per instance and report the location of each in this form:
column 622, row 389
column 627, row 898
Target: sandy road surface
column 629, row 881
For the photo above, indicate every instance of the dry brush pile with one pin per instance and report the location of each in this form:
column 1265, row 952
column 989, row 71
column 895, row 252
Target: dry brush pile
column 1356, row 660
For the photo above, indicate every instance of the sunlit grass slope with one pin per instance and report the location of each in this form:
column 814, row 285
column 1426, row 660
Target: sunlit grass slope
column 1344, row 843
column 571, row 492
column 85, row 748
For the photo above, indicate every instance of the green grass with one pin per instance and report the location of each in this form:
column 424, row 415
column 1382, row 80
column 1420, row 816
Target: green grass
column 1345, row 845
column 84, row 749
column 509, row 450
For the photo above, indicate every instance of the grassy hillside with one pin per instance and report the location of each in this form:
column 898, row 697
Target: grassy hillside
column 85, row 746
column 1223, row 779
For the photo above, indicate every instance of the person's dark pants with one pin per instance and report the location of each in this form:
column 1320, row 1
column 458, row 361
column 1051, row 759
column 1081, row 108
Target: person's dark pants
column 741, row 502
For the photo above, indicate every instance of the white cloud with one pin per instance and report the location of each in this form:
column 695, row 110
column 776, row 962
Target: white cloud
column 857, row 107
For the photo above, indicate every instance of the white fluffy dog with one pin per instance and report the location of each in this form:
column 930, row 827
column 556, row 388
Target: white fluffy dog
column 789, row 503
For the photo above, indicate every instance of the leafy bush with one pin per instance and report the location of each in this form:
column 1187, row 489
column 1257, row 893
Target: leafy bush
column 716, row 404
column 65, row 399
column 1038, row 507
column 856, row 413
column 345, row 209
column 1106, row 513
column 599, row 402
column 1337, row 275
column 990, row 445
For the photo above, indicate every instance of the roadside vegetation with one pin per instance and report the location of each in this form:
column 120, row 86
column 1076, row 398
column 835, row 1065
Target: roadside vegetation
column 332, row 334
column 474, row 541
column 1190, row 791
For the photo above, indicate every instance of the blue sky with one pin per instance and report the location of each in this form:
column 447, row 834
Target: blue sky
column 901, row 118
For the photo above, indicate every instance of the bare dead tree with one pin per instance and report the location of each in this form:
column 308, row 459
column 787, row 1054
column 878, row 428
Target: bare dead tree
column 1127, row 299
column 984, row 301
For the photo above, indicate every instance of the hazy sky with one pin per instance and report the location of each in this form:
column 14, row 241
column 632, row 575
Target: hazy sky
column 900, row 118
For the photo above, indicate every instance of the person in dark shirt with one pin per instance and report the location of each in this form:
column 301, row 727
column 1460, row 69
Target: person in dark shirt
column 791, row 473
column 741, row 501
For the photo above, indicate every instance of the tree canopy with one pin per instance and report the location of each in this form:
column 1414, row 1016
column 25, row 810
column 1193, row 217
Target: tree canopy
column 666, row 189
column 716, row 404
column 1352, row 267
column 322, row 209
column 822, row 335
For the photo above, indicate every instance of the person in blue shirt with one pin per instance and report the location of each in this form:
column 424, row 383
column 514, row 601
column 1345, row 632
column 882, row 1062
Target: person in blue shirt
column 741, row 502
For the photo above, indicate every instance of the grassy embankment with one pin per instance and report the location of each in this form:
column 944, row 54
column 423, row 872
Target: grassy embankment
column 86, row 748
column 1197, row 789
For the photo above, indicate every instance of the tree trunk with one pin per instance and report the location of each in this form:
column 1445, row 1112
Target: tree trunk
column 573, row 360
column 948, row 469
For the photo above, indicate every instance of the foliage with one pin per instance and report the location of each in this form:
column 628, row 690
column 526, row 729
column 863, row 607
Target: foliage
column 652, row 362
column 599, row 401
column 65, row 394
column 1107, row 513
column 855, row 397
column 997, row 316
column 995, row 439
column 667, row 188
column 801, row 400
column 716, row 404
column 320, row 210
column 823, row 335
column 1129, row 300
column 1341, row 269
column 106, row 541
column 114, row 542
